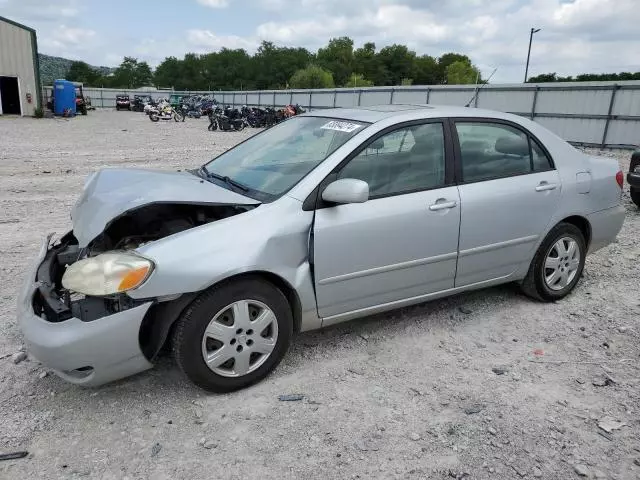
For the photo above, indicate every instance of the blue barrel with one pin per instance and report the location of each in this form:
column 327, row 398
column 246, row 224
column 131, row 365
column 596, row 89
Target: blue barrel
column 64, row 97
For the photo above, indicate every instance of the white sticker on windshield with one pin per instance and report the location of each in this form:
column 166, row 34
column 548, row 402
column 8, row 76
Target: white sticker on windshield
column 341, row 126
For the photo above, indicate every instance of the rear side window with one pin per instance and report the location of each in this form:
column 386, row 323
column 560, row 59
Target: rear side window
column 492, row 150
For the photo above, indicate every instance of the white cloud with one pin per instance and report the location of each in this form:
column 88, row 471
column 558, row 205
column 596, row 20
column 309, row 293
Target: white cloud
column 205, row 41
column 214, row 3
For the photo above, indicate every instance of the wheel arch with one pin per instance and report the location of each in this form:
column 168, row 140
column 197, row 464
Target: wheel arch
column 582, row 224
column 158, row 323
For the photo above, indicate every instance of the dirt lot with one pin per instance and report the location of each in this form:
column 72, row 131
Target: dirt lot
column 483, row 385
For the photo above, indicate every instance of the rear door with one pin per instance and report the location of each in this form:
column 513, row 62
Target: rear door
column 402, row 242
column 509, row 190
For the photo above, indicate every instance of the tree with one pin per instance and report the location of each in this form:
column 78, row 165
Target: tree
column 426, row 71
column 366, row 61
column 82, row 72
column 447, row 59
column 337, row 57
column 168, row 73
column 396, row 62
column 131, row 74
column 357, row 80
column 274, row 66
column 313, row 76
column 461, row 73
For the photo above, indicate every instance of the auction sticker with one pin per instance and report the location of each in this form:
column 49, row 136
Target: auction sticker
column 341, row 126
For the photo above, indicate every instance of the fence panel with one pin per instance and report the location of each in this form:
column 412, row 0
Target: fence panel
column 596, row 113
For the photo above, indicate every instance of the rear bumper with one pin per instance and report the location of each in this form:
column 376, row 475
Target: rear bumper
column 633, row 179
column 605, row 226
column 83, row 353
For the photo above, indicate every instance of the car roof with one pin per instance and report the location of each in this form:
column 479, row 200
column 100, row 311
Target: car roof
column 376, row 113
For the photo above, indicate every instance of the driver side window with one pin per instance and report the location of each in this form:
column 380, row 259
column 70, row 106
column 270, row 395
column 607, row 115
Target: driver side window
column 404, row 160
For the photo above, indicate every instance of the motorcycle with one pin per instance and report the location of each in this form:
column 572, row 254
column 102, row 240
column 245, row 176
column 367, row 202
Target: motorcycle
column 165, row 112
column 225, row 120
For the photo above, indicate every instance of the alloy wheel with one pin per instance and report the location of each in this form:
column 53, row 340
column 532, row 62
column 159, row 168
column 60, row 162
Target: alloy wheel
column 562, row 263
column 240, row 338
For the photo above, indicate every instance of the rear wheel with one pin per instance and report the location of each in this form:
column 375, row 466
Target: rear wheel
column 635, row 196
column 232, row 336
column 557, row 265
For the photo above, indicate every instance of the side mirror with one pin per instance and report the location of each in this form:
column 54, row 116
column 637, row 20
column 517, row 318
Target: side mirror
column 346, row 190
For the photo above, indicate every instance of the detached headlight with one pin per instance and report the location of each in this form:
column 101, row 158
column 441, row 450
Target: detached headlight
column 107, row 274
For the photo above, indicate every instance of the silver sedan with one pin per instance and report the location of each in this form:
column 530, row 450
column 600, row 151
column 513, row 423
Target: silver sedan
column 326, row 217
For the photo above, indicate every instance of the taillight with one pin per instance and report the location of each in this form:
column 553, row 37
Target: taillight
column 620, row 178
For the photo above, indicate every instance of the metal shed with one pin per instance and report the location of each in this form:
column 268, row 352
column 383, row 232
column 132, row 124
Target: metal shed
column 20, row 88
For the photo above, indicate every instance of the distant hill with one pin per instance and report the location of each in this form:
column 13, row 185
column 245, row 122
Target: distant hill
column 52, row 68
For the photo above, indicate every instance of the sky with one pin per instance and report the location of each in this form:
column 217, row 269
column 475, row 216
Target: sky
column 576, row 36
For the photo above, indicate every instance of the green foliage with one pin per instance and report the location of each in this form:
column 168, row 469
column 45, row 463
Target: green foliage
column 406, row 82
column 131, row 74
column 85, row 73
column 585, row 77
column 366, row 62
column 53, row 68
column 357, row 80
column 396, row 63
column 312, row 76
column 38, row 112
column 462, row 73
column 338, row 58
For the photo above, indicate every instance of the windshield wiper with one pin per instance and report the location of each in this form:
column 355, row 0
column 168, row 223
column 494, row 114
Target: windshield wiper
column 225, row 179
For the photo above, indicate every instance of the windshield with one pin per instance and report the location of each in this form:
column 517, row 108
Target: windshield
column 272, row 162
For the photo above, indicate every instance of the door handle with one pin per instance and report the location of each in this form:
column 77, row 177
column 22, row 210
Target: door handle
column 545, row 186
column 442, row 204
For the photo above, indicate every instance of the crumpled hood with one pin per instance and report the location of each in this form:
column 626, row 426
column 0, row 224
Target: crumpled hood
column 109, row 193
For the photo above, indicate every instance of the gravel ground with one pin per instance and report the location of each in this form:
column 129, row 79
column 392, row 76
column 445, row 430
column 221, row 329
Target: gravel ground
column 486, row 385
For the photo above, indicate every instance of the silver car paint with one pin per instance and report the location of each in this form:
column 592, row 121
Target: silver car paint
column 109, row 345
column 276, row 237
column 111, row 192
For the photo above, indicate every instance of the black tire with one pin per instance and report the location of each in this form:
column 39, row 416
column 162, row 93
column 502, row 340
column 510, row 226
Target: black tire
column 117, row 109
column 534, row 284
column 635, row 196
column 190, row 328
column 213, row 126
column 154, row 117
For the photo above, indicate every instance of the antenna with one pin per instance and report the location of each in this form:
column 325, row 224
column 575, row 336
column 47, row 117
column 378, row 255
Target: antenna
column 475, row 94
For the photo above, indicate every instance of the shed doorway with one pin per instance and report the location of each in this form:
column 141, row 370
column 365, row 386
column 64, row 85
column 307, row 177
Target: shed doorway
column 10, row 96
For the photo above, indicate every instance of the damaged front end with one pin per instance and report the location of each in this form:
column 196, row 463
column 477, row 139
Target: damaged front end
column 125, row 233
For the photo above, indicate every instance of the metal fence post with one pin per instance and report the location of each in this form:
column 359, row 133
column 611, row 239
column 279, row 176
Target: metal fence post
column 274, row 99
column 233, row 100
column 475, row 98
column 534, row 102
column 606, row 125
column 359, row 96
column 335, row 97
column 101, row 99
column 259, row 98
column 393, row 91
column 428, row 94
column 310, row 101
column 291, row 97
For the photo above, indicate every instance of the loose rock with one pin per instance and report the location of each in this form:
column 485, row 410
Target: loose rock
column 499, row 370
column 537, row 473
column 155, row 450
column 18, row 357
column 414, row 436
column 475, row 408
column 581, row 470
column 296, row 397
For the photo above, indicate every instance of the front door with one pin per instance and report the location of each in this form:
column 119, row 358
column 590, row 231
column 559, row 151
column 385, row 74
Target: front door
column 509, row 190
column 400, row 244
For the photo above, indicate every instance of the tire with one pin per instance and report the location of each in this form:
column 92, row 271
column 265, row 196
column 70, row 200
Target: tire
column 117, row 109
column 154, row 117
column 178, row 117
column 549, row 283
column 635, row 196
column 213, row 126
column 190, row 344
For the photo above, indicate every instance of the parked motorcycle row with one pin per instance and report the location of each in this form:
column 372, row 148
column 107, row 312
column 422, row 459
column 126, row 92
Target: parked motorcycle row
column 233, row 119
column 178, row 108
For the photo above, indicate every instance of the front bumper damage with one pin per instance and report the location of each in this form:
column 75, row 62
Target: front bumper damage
column 87, row 353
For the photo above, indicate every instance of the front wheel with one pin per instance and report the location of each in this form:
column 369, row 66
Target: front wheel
column 557, row 265
column 233, row 335
column 635, row 196
column 154, row 117
column 178, row 117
